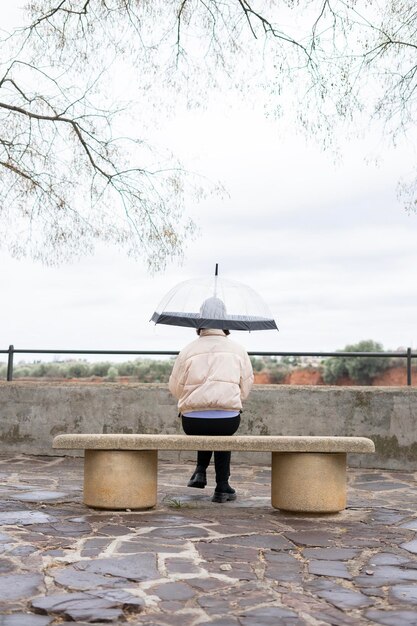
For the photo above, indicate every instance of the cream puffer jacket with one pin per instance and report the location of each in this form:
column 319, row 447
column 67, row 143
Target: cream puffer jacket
column 211, row 373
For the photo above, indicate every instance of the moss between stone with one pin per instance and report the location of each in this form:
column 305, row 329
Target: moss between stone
column 125, row 430
column 13, row 435
column 389, row 447
column 362, row 400
column 264, row 430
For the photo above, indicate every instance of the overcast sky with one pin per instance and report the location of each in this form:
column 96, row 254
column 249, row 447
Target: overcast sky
column 329, row 248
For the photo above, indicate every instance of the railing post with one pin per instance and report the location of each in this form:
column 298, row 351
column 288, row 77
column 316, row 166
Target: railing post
column 408, row 366
column 10, row 364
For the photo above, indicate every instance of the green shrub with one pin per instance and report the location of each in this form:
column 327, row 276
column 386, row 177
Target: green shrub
column 38, row 370
column 149, row 371
column 277, row 373
column 276, row 368
column 78, row 369
column 100, row 368
column 291, row 361
column 334, row 368
column 112, row 373
column 359, row 369
column 56, row 370
column 128, row 368
column 258, row 364
column 22, row 371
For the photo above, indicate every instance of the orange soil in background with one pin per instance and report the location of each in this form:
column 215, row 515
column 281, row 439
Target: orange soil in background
column 391, row 377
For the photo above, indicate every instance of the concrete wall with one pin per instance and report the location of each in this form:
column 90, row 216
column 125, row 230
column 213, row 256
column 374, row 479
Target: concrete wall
column 31, row 414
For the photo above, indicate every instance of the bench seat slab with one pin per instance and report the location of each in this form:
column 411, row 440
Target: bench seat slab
column 313, row 482
column 258, row 443
column 120, row 479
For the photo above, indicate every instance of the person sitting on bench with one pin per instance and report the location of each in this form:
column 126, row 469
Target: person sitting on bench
column 211, row 377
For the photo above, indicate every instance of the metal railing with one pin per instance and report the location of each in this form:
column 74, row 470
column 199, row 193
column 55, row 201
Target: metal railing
column 408, row 355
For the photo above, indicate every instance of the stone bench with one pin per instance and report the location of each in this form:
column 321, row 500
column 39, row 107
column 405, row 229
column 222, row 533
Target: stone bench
column 308, row 473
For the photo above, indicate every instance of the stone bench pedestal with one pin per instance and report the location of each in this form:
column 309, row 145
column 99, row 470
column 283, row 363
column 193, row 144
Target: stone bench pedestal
column 120, row 479
column 308, row 481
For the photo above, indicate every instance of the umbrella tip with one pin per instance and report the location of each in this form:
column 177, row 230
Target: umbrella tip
column 216, row 271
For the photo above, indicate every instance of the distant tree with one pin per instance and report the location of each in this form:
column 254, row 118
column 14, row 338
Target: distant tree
column 99, row 368
column 127, row 368
column 70, row 176
column 359, row 369
column 334, row 368
column 78, row 369
column 291, row 361
column 258, row 364
column 112, row 373
column 150, row 371
column 277, row 373
column 39, row 370
column 54, row 370
column 21, row 371
column 276, row 368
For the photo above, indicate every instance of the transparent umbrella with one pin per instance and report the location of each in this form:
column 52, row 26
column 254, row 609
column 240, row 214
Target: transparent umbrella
column 214, row 302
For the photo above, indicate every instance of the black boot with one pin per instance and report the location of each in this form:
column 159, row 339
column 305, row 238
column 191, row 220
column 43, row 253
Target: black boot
column 223, row 493
column 198, row 479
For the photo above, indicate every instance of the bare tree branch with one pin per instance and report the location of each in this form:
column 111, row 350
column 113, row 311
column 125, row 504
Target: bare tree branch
column 72, row 177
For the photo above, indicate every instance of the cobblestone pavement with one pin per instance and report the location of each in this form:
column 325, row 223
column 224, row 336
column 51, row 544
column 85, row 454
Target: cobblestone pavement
column 190, row 561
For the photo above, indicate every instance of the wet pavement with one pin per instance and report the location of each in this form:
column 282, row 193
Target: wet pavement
column 190, row 561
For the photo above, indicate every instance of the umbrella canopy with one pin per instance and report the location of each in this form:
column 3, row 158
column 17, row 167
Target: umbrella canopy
column 214, row 303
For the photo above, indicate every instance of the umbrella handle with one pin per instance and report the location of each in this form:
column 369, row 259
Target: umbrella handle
column 216, row 273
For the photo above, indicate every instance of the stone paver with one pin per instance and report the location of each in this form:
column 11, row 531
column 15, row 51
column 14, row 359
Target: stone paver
column 193, row 562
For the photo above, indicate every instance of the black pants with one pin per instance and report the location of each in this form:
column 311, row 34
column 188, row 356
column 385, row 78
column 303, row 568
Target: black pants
column 212, row 426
